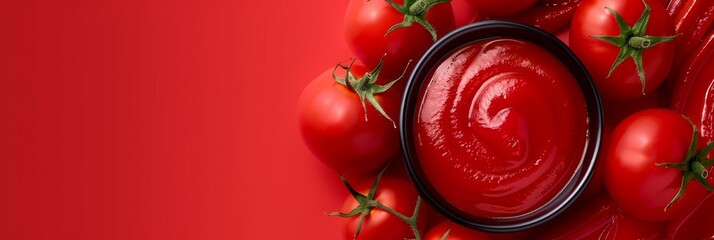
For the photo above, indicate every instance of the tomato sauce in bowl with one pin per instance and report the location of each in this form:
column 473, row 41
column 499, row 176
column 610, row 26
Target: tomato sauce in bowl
column 500, row 126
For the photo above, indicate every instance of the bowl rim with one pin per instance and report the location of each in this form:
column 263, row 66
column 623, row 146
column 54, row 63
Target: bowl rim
column 477, row 32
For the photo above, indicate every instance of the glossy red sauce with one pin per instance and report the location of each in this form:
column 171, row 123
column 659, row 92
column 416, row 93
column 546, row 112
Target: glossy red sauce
column 501, row 128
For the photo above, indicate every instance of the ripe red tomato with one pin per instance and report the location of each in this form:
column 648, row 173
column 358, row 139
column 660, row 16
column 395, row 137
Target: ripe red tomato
column 632, row 174
column 333, row 125
column 601, row 43
column 367, row 23
column 396, row 194
column 501, row 8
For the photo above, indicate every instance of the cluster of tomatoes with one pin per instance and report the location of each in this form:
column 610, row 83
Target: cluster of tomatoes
column 652, row 62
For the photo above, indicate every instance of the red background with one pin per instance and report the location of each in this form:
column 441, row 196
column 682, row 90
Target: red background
column 163, row 119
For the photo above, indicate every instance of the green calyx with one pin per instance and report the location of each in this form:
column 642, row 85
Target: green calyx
column 415, row 12
column 632, row 41
column 693, row 167
column 367, row 203
column 366, row 86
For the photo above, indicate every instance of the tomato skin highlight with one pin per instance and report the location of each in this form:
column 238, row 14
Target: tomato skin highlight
column 333, row 126
column 632, row 176
column 367, row 22
column 396, row 194
column 674, row 7
column 488, row 140
column 592, row 19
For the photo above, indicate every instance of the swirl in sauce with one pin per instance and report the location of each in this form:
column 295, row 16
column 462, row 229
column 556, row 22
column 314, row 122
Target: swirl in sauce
column 501, row 128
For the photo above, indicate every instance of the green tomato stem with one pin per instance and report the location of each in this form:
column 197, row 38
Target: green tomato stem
column 699, row 169
column 639, row 42
column 415, row 12
column 417, row 8
column 366, row 87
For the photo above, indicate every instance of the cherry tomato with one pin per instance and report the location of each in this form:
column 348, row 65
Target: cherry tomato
column 396, row 194
column 633, row 174
column 695, row 225
column 602, row 219
column 367, row 24
column 501, row 8
column 333, row 125
column 601, row 43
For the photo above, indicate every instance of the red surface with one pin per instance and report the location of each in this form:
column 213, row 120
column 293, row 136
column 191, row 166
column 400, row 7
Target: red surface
column 163, row 119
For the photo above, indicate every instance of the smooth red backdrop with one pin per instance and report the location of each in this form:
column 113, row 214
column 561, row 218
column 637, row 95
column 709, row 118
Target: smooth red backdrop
column 142, row 119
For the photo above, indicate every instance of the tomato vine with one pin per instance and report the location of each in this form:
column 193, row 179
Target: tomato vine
column 368, row 202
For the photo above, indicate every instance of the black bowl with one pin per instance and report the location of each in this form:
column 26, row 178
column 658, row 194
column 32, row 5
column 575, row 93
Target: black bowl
column 476, row 32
